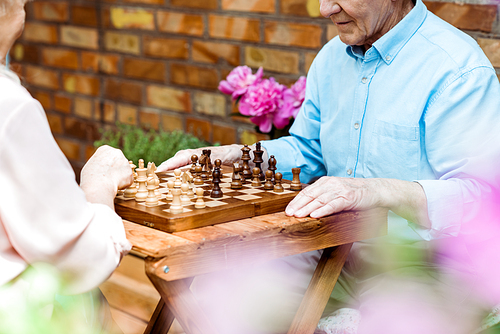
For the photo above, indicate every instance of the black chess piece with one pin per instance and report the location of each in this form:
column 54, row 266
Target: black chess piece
column 268, row 185
column 245, row 157
column 210, row 166
column 272, row 166
column 296, row 185
column 236, row 179
column 216, row 179
column 278, row 188
column 257, row 160
column 194, row 160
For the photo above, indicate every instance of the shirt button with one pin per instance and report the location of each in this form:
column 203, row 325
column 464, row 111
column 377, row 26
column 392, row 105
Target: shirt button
column 388, row 58
column 356, row 126
column 364, row 80
column 349, row 171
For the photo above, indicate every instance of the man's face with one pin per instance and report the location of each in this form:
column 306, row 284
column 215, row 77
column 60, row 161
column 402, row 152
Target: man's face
column 359, row 22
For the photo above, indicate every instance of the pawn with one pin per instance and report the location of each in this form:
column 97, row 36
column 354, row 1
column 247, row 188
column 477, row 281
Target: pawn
column 278, row 188
column 269, row 184
column 170, row 185
column 176, row 206
column 194, row 160
column 256, row 177
column 178, row 181
column 184, row 197
column 198, row 180
column 132, row 190
column 152, row 199
column 200, row 203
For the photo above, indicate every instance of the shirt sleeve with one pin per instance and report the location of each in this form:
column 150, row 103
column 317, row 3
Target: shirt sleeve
column 302, row 148
column 462, row 143
column 45, row 213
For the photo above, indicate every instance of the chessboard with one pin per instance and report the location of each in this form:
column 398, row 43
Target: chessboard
column 233, row 205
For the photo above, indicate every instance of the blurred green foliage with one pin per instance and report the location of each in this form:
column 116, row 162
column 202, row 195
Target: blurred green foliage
column 148, row 145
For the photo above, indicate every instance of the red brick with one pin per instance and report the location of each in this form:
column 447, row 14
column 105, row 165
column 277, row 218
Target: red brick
column 150, row 2
column 80, row 129
column 60, row 58
column 101, row 63
column 109, row 112
column 82, row 84
column 25, row 53
column 261, row 6
column 120, row 42
column 127, row 114
column 43, row 78
column 234, row 28
column 83, row 107
column 465, row 16
column 50, row 11
column 292, row 34
column 199, row 128
column 144, row 69
column 272, row 60
column 62, row 103
column 308, row 61
column 40, row 32
column 79, row 37
column 180, row 23
column 149, row 119
column 210, row 104
column 171, row 122
column 123, row 91
column 55, row 122
column 201, row 4
column 132, row 18
column 71, row 149
column 165, row 47
column 168, row 98
column 224, row 135
column 84, row 15
column 44, row 98
column 213, row 53
column 194, row 76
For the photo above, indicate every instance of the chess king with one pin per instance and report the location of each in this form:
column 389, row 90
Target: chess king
column 400, row 111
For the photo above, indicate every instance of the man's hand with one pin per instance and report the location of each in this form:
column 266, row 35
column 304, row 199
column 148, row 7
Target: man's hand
column 227, row 154
column 330, row 195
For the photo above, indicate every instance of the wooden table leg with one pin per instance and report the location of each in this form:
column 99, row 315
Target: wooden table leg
column 161, row 320
column 318, row 292
column 180, row 301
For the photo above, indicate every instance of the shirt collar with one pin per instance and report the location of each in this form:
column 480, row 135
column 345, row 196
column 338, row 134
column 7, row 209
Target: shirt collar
column 389, row 45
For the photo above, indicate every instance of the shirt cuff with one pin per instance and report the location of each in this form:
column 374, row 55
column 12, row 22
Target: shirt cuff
column 444, row 207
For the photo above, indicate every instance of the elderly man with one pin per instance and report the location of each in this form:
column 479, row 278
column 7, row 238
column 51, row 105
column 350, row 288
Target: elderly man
column 398, row 113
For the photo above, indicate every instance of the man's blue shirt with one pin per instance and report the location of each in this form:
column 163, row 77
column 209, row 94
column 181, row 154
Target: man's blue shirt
column 422, row 104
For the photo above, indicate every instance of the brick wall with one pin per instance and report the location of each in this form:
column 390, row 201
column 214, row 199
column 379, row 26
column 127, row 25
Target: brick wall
column 157, row 63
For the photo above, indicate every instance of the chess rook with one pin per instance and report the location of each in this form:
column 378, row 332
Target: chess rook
column 296, row 185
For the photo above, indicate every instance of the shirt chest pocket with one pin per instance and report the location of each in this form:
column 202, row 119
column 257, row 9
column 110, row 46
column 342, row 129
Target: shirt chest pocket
column 393, row 151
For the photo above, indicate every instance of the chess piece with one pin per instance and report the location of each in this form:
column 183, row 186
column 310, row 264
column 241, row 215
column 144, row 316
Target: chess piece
column 142, row 191
column 257, row 160
column 200, row 204
column 170, row 185
column 176, row 206
column 152, row 199
column 256, row 178
column 272, row 166
column 178, row 180
column 269, row 185
column 194, row 159
column 216, row 176
column 132, row 190
column 278, row 188
column 245, row 157
column 204, row 163
column 184, row 190
column 236, row 179
column 198, row 181
column 210, row 166
column 218, row 163
column 296, row 185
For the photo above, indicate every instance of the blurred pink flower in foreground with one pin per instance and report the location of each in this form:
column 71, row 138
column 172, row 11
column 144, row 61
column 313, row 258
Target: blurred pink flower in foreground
column 239, row 80
column 262, row 102
column 293, row 98
column 267, row 102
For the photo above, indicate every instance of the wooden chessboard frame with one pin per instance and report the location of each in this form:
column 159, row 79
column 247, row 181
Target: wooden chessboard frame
column 260, row 203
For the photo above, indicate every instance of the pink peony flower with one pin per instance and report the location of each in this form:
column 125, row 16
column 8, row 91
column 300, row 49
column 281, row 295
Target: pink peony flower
column 239, row 80
column 293, row 99
column 262, row 101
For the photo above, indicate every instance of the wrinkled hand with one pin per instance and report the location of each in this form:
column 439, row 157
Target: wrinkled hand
column 227, row 154
column 108, row 167
column 331, row 194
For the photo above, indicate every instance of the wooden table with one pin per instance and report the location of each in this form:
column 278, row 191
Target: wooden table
column 174, row 259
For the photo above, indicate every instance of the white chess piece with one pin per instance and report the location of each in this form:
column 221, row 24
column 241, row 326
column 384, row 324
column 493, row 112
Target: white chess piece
column 184, row 197
column 200, row 204
column 142, row 191
column 176, row 206
column 151, row 200
column 170, row 185
column 178, row 181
